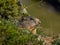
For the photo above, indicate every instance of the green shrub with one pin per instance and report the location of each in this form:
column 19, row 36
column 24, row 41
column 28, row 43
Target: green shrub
column 11, row 35
column 9, row 8
column 57, row 42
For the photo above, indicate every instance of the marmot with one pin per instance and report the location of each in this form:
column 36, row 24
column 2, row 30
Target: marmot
column 29, row 23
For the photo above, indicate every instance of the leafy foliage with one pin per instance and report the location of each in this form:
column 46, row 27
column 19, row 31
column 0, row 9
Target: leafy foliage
column 57, row 42
column 9, row 8
column 10, row 34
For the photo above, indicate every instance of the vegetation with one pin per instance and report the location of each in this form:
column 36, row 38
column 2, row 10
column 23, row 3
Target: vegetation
column 10, row 34
column 8, row 8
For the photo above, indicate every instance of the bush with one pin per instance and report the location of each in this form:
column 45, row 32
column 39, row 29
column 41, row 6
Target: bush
column 9, row 32
column 11, row 35
column 57, row 42
column 9, row 8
